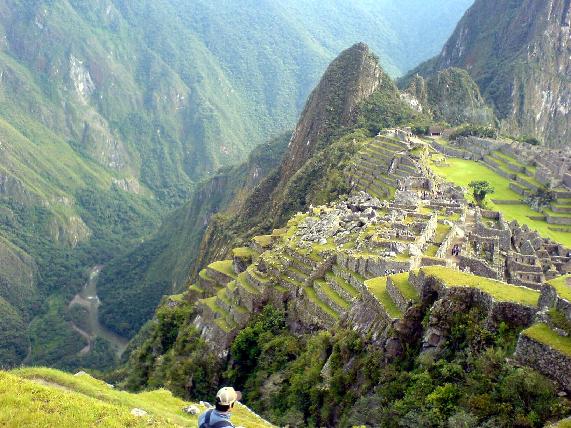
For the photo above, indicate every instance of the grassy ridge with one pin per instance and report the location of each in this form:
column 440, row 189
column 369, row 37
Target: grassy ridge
column 54, row 398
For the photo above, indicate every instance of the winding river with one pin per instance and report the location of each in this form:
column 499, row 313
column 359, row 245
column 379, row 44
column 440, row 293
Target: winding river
column 88, row 299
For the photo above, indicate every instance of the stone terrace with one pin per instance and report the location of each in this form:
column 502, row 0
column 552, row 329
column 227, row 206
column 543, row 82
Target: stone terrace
column 370, row 259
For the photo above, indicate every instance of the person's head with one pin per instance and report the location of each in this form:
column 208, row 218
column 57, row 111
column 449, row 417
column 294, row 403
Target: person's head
column 226, row 398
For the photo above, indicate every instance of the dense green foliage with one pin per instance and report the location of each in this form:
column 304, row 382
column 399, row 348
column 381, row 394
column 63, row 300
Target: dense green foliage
column 385, row 109
column 186, row 366
column 12, row 333
column 339, row 379
column 480, row 189
column 474, row 131
column 139, row 278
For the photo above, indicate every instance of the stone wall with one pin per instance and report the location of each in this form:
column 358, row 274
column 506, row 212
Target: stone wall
column 480, row 147
column 218, row 277
column 477, row 267
column 550, row 299
column 503, row 233
column 433, row 261
column 544, row 359
column 518, row 189
column 450, row 151
column 448, row 241
column 218, row 339
column 551, row 219
column 305, row 315
column 511, row 313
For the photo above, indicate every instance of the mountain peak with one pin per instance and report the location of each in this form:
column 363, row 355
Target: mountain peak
column 350, row 78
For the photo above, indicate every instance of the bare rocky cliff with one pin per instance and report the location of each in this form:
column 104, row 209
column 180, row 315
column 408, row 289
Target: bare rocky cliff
column 519, row 53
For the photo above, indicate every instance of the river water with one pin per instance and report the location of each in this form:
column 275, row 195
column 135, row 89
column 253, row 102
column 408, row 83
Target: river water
column 89, row 300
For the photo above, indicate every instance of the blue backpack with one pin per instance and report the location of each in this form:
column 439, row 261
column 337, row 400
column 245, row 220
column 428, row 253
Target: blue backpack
column 219, row 424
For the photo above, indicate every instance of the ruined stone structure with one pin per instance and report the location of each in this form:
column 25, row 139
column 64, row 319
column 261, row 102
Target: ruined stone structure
column 376, row 261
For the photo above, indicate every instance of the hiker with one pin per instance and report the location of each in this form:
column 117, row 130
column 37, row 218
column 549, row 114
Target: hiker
column 219, row 417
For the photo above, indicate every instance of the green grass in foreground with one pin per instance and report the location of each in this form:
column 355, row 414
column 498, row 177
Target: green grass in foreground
column 562, row 287
column 50, row 398
column 498, row 290
column 378, row 287
column 462, row 172
column 543, row 334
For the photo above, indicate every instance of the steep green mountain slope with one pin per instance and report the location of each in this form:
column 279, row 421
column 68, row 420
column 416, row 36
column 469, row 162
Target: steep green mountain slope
column 518, row 52
column 160, row 266
column 111, row 111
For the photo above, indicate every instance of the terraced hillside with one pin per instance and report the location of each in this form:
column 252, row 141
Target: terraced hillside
column 46, row 397
column 385, row 259
column 517, row 172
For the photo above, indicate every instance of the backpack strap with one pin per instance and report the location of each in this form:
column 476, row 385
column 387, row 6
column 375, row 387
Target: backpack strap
column 219, row 424
column 206, row 422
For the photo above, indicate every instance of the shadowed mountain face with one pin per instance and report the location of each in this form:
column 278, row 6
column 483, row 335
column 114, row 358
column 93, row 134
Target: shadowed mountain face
column 519, row 54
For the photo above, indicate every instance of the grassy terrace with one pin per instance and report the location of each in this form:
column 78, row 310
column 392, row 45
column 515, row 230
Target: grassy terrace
column 500, row 291
column 243, row 252
column 431, row 250
column 442, row 231
column 462, row 172
column 243, row 280
column 313, row 297
column 378, row 287
column 263, row 241
column 332, row 294
column 56, row 399
column 222, row 322
column 508, row 159
column 543, row 334
column 204, row 275
column 406, row 289
column 563, row 288
column 223, row 266
column 343, row 284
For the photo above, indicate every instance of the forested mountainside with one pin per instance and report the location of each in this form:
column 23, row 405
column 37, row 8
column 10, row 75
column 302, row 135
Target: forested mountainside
column 519, row 54
column 354, row 99
column 112, row 111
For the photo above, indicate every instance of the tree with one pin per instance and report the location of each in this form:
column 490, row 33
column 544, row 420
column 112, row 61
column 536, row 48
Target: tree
column 481, row 189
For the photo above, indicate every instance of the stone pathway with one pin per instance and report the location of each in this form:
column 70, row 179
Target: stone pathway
column 467, row 227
